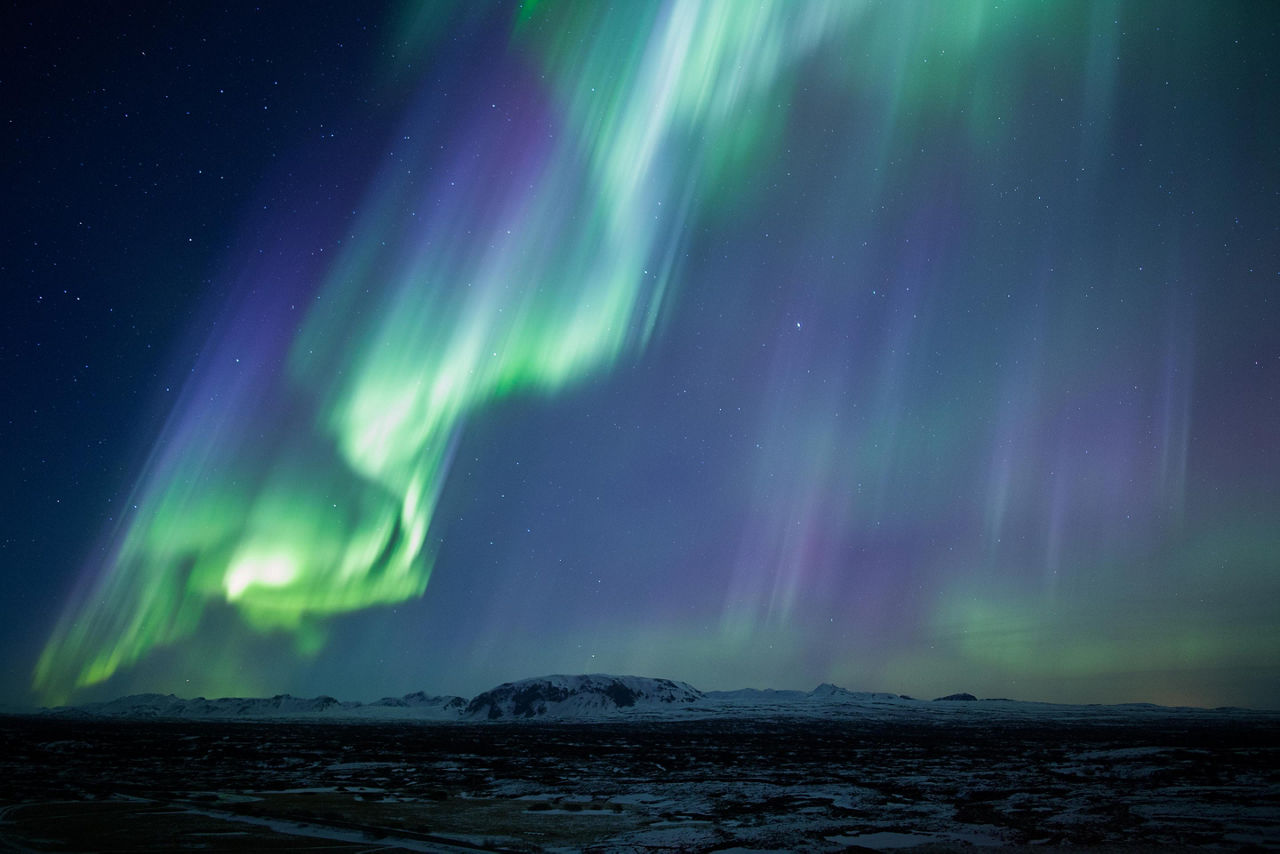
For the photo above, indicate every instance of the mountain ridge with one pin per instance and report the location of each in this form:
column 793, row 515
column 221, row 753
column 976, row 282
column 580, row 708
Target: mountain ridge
column 599, row 696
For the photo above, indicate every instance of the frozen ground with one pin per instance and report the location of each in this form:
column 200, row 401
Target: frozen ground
column 933, row 777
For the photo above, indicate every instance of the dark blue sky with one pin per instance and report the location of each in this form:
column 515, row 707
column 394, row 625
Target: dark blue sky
column 920, row 348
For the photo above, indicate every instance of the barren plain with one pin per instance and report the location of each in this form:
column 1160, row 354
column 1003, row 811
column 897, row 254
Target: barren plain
column 801, row 784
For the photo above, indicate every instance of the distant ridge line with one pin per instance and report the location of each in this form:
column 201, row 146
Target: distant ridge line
column 600, row 696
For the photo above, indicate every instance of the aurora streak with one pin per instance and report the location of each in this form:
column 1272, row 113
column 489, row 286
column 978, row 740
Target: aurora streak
column 871, row 342
column 547, row 267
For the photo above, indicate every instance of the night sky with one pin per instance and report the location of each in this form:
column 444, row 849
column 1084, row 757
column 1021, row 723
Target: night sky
column 913, row 346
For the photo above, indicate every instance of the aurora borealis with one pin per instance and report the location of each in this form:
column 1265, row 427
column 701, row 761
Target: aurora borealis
column 911, row 346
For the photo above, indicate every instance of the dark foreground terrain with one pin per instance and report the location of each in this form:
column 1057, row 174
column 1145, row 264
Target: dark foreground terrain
column 110, row 785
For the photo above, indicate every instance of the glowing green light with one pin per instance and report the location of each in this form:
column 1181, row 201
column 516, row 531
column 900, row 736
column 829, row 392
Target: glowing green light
column 312, row 493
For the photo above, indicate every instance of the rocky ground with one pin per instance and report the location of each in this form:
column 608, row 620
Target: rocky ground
column 699, row 785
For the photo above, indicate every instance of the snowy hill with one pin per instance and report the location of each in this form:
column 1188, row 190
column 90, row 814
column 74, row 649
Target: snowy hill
column 826, row 700
column 834, row 693
column 757, row 695
column 416, row 705
column 598, row 697
column 580, row 696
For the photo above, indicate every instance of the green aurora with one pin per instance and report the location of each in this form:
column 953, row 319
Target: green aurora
column 918, row 483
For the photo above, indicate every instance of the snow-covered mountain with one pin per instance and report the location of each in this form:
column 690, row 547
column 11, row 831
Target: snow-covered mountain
column 827, row 691
column 580, row 696
column 416, row 705
column 826, row 699
column 604, row 697
column 444, row 706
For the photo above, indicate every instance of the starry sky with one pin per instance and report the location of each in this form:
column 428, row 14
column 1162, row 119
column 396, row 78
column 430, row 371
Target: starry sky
column 918, row 347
